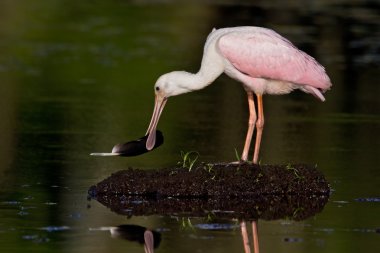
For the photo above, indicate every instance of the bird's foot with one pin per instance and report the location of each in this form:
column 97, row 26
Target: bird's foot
column 240, row 162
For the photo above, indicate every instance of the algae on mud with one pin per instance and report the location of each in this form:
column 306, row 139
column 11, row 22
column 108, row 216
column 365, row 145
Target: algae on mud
column 243, row 190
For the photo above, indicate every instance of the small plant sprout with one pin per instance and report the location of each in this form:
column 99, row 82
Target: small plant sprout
column 295, row 171
column 289, row 167
column 297, row 211
column 209, row 167
column 260, row 175
column 186, row 224
column 188, row 159
column 237, row 155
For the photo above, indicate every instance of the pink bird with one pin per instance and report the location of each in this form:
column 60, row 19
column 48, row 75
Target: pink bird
column 261, row 59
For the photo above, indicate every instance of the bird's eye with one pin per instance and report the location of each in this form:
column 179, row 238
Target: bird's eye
column 157, row 88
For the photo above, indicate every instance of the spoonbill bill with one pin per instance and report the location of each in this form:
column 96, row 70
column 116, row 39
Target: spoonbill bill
column 261, row 59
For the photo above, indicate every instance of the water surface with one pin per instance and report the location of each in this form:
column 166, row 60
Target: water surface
column 77, row 78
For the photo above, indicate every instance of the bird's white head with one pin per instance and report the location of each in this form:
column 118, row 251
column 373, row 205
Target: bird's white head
column 167, row 85
column 175, row 83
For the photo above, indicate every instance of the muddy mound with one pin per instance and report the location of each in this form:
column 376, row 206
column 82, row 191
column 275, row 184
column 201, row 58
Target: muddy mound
column 226, row 190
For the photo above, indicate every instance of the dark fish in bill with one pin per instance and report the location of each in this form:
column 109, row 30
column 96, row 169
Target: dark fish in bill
column 133, row 148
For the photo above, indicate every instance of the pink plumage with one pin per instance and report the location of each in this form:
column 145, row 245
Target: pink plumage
column 265, row 54
column 261, row 59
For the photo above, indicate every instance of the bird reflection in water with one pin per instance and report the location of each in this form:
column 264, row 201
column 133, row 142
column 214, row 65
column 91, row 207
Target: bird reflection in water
column 149, row 238
column 255, row 235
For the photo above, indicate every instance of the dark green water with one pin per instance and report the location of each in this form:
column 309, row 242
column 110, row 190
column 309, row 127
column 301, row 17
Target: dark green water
column 77, row 77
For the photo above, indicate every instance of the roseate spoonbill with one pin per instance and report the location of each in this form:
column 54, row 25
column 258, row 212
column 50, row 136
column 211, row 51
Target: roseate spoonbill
column 261, row 59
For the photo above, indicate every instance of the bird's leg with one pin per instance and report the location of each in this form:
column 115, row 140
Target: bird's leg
column 255, row 237
column 251, row 126
column 259, row 127
column 148, row 242
column 244, row 234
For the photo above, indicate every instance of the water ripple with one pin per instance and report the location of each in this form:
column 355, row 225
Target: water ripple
column 369, row 199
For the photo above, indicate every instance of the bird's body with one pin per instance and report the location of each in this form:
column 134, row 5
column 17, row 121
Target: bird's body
column 261, row 59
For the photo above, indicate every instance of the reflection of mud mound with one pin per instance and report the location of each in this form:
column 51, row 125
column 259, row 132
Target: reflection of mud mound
column 268, row 207
column 236, row 191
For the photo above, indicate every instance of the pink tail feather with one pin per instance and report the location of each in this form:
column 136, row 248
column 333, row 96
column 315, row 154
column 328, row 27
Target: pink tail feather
column 314, row 91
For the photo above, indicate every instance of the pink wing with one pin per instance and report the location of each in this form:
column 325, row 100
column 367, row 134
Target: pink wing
column 267, row 54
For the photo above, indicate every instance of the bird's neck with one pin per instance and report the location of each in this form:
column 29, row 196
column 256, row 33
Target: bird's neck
column 211, row 68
